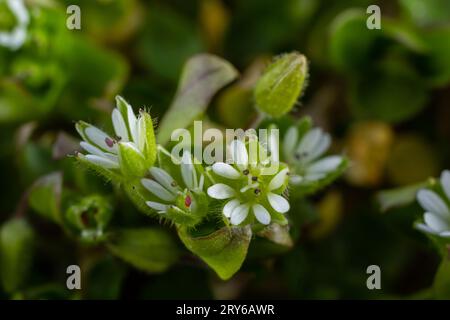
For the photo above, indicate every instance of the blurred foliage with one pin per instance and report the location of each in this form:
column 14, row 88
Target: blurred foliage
column 383, row 94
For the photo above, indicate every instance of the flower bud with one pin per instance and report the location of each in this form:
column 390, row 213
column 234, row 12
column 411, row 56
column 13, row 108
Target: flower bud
column 278, row 89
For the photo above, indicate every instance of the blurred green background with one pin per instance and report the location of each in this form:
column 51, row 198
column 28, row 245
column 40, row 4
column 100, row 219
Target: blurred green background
column 383, row 94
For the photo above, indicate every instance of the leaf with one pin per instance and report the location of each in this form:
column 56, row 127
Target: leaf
column 16, row 242
column 148, row 249
column 437, row 63
column 280, row 86
column 351, row 43
column 45, row 196
column 441, row 284
column 203, row 75
column 392, row 92
column 105, row 279
column 223, row 250
column 167, row 40
column 426, row 13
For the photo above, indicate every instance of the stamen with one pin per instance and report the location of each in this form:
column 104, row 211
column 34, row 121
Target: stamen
column 187, row 201
column 257, row 191
column 246, row 172
column 109, row 142
column 254, row 178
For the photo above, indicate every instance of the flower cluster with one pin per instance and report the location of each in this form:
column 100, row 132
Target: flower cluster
column 304, row 154
column 253, row 181
column 436, row 206
column 131, row 151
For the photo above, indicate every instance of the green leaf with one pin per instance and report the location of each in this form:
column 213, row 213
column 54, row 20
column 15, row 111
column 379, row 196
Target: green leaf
column 441, row 284
column 16, row 247
column 393, row 92
column 45, row 196
column 280, row 86
column 426, row 13
column 223, row 250
column 203, row 75
column 105, row 279
column 351, row 43
column 437, row 63
column 167, row 41
column 148, row 249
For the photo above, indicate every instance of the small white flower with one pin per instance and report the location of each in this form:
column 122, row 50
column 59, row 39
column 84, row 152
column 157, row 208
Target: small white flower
column 437, row 215
column 304, row 155
column 164, row 187
column 15, row 38
column 245, row 190
column 101, row 148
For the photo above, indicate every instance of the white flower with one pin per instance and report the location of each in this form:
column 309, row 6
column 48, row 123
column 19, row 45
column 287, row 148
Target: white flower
column 102, row 149
column 246, row 190
column 15, row 38
column 304, row 153
column 437, row 215
column 164, row 187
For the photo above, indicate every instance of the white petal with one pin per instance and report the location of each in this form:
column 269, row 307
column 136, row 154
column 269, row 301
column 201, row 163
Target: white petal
column 319, row 149
column 290, row 141
column 158, row 190
column 20, row 11
column 229, row 207
column 314, row 176
column 101, row 161
column 274, row 146
column 278, row 180
column 309, row 140
column 295, row 179
column 424, row 228
column 220, row 191
column 430, row 201
column 160, row 207
column 445, row 234
column 445, row 181
column 141, row 132
column 261, row 214
column 201, row 182
column 325, row 165
column 188, row 171
column 435, row 222
column 119, row 125
column 239, row 214
column 92, row 149
column 96, row 151
column 99, row 138
column 164, row 179
column 278, row 203
column 239, row 154
column 132, row 124
column 225, row 170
